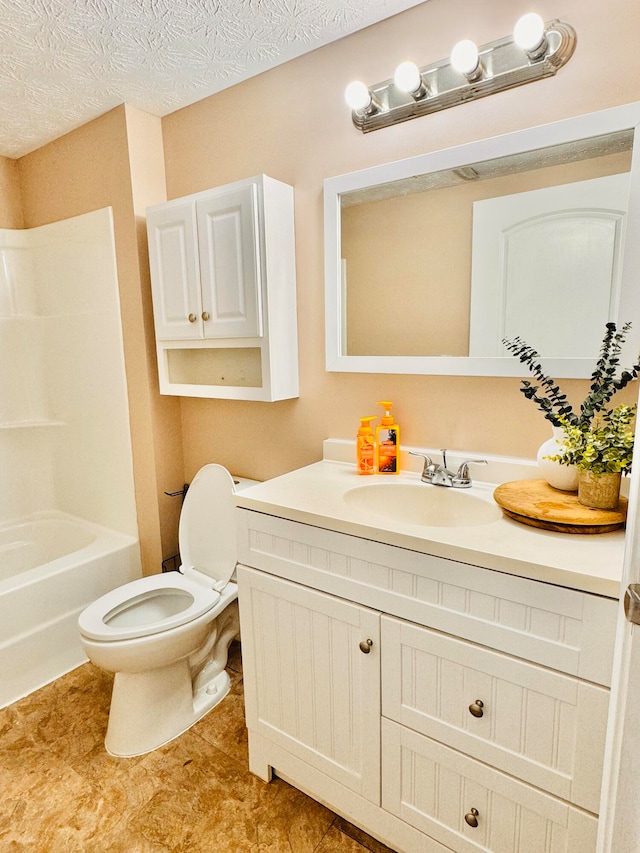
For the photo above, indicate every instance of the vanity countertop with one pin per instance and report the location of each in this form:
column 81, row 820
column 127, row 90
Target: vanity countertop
column 315, row 495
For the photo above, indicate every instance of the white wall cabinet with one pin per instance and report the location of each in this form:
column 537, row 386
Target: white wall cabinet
column 224, row 292
column 488, row 692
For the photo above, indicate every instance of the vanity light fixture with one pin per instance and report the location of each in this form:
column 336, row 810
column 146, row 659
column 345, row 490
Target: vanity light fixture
column 535, row 50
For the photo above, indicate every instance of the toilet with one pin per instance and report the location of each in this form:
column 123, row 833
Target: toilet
column 166, row 637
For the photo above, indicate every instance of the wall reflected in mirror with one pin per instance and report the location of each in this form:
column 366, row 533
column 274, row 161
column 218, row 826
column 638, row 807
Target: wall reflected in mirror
column 416, row 282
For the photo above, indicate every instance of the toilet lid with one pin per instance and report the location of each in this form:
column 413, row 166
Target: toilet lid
column 207, row 533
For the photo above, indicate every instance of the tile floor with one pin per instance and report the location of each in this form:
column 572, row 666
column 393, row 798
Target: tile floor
column 62, row 793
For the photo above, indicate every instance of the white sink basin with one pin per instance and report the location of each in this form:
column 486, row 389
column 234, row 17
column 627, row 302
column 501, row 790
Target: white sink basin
column 418, row 503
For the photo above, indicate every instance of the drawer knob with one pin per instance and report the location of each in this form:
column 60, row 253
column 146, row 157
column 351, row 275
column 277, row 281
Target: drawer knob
column 476, row 708
column 205, row 316
column 192, row 318
column 472, row 817
column 365, row 646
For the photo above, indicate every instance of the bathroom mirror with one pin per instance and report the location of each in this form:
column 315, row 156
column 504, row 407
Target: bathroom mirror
column 431, row 261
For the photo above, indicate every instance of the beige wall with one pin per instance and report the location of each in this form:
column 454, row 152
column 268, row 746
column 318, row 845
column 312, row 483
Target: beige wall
column 10, row 198
column 116, row 161
column 292, row 124
column 148, row 185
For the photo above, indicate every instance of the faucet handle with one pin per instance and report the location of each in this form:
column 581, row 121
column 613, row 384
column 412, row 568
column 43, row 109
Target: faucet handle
column 463, row 478
column 428, row 468
column 424, row 456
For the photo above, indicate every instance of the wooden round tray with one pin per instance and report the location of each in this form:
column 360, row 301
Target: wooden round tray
column 536, row 503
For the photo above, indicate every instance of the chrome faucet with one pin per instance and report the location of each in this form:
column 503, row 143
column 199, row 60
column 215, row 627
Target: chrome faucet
column 439, row 475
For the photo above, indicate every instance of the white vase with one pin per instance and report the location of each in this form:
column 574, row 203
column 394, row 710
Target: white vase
column 559, row 476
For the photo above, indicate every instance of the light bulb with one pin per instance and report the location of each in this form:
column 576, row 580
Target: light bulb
column 407, row 77
column 528, row 32
column 357, row 96
column 464, row 57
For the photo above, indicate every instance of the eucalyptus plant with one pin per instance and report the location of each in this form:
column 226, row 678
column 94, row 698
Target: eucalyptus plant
column 606, row 380
column 596, row 438
column 603, row 447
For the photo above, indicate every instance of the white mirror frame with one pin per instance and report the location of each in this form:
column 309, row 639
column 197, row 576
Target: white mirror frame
column 608, row 121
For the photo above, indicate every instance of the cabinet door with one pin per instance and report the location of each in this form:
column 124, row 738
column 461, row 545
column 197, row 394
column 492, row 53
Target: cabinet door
column 175, row 274
column 229, row 264
column 308, row 686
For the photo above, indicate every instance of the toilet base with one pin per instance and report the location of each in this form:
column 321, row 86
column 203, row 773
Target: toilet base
column 149, row 709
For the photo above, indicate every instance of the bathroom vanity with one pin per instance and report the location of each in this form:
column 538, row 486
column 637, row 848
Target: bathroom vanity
column 444, row 687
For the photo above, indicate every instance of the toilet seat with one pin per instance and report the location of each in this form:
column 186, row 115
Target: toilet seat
column 146, row 606
column 208, row 546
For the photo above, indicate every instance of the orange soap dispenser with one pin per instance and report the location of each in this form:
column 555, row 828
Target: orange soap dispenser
column 365, row 442
column 387, row 442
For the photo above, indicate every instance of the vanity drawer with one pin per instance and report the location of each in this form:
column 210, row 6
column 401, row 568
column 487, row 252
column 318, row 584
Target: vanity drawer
column 433, row 788
column 536, row 724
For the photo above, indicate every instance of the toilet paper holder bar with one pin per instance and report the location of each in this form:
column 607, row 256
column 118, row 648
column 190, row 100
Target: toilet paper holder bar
column 182, row 492
column 185, row 488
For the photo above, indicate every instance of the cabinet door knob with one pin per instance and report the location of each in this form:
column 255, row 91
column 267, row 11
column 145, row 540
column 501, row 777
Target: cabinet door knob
column 192, row 318
column 472, row 817
column 205, row 316
column 476, row 708
column 365, row 646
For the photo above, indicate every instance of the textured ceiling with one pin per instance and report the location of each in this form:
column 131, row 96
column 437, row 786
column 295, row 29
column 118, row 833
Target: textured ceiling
column 64, row 62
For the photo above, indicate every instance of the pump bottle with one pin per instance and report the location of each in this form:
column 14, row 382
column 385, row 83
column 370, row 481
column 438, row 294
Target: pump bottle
column 365, row 443
column 387, row 442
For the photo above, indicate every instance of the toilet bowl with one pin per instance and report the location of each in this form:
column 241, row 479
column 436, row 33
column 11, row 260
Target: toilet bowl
column 166, row 637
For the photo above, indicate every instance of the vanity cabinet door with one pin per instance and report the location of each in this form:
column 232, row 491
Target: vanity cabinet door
column 312, row 678
column 524, row 719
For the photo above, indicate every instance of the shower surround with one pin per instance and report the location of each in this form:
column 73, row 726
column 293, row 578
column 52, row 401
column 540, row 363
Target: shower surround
column 68, row 529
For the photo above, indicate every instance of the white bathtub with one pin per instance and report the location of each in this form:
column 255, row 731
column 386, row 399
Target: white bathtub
column 51, row 566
